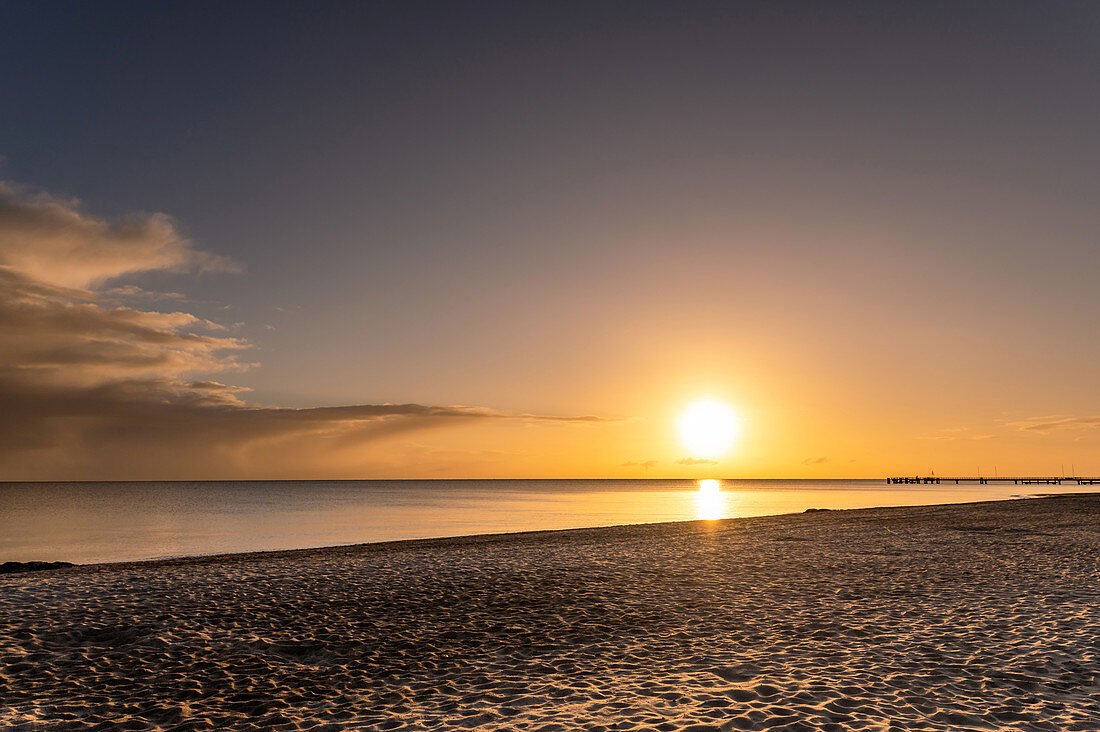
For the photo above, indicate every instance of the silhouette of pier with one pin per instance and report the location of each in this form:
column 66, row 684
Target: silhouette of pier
column 983, row 480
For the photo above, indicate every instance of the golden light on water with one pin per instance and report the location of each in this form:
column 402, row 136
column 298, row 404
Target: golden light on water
column 709, row 500
column 708, row 428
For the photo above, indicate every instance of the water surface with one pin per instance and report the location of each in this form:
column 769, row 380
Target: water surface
column 100, row 522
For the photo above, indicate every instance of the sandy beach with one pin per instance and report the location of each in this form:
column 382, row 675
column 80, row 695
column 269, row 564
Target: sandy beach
column 972, row 616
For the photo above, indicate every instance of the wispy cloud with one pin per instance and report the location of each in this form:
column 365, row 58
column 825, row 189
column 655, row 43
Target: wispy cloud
column 696, row 461
column 642, row 464
column 955, row 433
column 133, row 292
column 1056, row 422
column 92, row 387
column 815, row 461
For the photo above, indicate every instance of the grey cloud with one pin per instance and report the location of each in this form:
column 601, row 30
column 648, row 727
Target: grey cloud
column 91, row 388
column 63, row 335
column 148, row 425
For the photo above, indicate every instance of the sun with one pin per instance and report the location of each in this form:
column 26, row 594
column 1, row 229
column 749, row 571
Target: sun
column 708, row 428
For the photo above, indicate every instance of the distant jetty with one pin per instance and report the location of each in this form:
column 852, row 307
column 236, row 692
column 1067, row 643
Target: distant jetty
column 982, row 480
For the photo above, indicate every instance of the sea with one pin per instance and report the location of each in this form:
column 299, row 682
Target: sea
column 87, row 522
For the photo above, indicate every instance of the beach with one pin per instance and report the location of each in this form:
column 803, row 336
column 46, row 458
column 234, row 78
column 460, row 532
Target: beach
column 955, row 617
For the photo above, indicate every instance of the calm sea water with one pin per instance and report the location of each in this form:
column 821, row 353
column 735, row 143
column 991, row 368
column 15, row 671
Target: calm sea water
column 102, row 522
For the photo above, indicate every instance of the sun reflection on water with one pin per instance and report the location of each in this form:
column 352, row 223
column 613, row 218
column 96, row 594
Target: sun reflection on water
column 710, row 502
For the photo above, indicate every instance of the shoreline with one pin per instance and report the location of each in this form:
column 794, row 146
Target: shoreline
column 474, row 539
column 101, row 525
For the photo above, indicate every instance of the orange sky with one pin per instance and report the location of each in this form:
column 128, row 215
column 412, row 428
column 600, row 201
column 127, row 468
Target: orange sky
column 104, row 379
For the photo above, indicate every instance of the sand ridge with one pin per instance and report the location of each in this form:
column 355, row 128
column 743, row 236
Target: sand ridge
column 975, row 616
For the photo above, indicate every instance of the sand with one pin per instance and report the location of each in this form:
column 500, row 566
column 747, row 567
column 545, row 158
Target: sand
column 976, row 616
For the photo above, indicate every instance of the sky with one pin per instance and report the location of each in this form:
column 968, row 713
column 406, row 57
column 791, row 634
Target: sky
column 451, row 240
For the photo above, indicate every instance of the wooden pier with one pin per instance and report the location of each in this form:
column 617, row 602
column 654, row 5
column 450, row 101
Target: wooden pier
column 983, row 480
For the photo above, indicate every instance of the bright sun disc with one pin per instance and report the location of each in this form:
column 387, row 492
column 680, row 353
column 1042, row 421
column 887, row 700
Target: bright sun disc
column 708, row 428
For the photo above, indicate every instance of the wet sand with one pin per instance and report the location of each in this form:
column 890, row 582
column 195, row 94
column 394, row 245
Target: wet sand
column 972, row 616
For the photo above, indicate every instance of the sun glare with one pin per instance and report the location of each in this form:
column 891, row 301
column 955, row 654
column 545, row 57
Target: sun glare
column 710, row 503
column 708, row 428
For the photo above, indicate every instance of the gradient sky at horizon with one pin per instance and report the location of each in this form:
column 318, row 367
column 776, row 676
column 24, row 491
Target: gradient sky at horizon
column 869, row 227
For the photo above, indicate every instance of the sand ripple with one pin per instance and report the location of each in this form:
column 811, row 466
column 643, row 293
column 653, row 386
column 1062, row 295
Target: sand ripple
column 974, row 617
